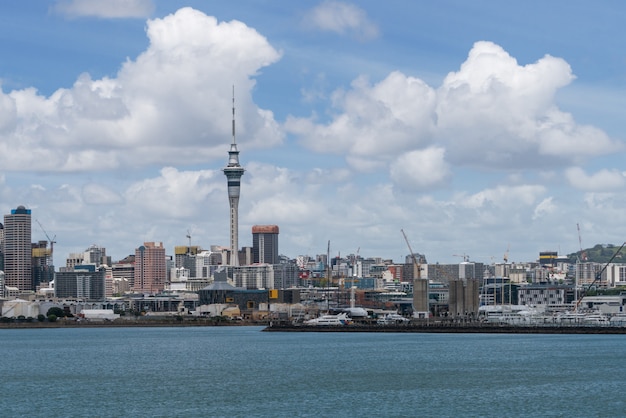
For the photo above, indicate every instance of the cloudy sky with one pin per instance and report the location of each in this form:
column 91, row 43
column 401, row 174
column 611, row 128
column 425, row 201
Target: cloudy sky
column 474, row 126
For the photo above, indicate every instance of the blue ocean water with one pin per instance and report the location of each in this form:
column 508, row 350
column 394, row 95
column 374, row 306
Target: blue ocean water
column 243, row 372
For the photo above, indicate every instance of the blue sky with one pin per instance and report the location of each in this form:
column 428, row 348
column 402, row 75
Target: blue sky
column 474, row 126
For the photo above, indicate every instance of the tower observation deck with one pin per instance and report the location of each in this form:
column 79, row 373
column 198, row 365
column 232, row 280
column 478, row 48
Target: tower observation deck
column 233, row 172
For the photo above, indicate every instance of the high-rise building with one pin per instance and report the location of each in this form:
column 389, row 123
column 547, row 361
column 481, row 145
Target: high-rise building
column 233, row 172
column 1, row 249
column 265, row 244
column 17, row 249
column 150, row 268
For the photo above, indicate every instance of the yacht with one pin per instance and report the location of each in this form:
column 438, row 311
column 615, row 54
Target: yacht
column 392, row 319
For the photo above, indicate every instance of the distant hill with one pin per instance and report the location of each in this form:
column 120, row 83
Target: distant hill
column 601, row 253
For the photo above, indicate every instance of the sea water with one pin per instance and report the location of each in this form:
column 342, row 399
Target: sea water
column 241, row 372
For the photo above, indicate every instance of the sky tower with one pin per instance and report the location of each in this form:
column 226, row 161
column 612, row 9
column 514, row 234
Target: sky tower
column 233, row 172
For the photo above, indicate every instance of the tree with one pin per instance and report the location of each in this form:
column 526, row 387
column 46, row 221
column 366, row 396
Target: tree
column 56, row 311
column 52, row 318
column 41, row 317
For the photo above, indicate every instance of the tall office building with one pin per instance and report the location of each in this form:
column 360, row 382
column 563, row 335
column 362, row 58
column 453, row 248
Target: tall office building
column 233, row 172
column 150, row 268
column 17, row 249
column 1, row 249
column 265, row 244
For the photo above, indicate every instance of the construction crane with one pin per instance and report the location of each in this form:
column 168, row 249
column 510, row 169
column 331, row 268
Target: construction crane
column 465, row 256
column 506, row 254
column 416, row 264
column 50, row 240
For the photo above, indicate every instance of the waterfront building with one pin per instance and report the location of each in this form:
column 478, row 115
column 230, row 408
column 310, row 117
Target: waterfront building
column 17, row 249
column 150, row 268
column 85, row 283
column 233, row 172
column 265, row 244
column 545, row 295
column 254, row 276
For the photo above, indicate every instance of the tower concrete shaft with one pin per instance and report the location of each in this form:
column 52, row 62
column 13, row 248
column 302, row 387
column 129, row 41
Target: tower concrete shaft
column 233, row 172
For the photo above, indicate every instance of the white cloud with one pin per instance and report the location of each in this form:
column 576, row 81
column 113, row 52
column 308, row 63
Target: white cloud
column 98, row 194
column 603, row 180
column 171, row 105
column 502, row 197
column 421, row 169
column 492, row 113
column 546, row 206
column 105, row 9
column 375, row 123
column 342, row 18
column 174, row 193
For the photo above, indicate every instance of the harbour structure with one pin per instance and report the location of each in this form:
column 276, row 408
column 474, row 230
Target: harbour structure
column 265, row 244
column 16, row 247
column 233, row 172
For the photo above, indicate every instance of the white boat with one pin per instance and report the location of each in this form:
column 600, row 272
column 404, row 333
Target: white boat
column 392, row 319
column 329, row 320
column 583, row 318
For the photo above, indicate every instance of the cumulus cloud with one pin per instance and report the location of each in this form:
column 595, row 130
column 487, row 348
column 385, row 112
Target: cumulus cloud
column 170, row 105
column 373, row 122
column 342, row 18
column 546, row 206
column 421, row 169
column 105, row 9
column 502, row 197
column 492, row 112
column 174, row 193
column 603, row 180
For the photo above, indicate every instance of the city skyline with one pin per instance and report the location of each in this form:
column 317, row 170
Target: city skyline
column 478, row 129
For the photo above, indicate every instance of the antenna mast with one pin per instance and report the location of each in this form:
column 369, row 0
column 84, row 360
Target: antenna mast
column 234, row 114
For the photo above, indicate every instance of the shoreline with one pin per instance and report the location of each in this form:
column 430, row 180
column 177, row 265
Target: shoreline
column 151, row 323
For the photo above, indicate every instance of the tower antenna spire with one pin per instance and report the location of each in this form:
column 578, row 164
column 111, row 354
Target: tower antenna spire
column 234, row 115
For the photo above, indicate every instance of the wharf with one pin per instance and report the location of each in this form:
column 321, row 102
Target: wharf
column 451, row 328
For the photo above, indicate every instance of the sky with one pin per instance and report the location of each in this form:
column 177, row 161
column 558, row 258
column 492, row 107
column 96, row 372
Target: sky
column 477, row 128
